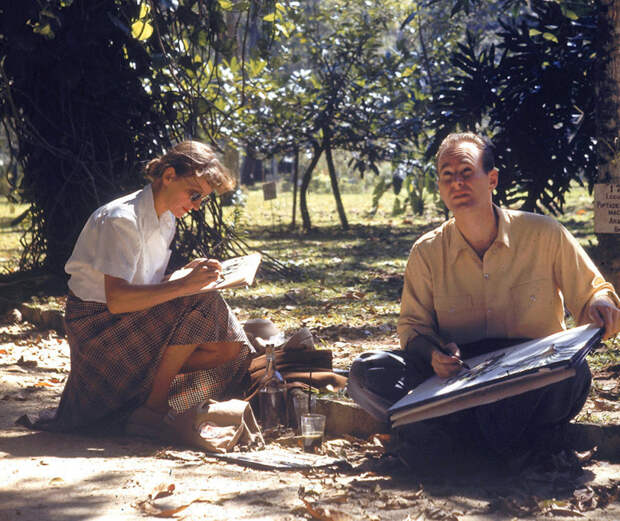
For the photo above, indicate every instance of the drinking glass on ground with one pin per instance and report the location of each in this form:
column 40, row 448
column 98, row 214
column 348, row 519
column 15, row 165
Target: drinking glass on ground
column 300, row 406
column 312, row 431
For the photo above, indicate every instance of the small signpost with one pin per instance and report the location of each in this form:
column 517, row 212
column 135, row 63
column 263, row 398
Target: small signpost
column 269, row 194
column 269, row 191
column 607, row 208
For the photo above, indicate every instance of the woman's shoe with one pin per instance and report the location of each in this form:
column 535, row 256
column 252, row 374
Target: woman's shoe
column 145, row 422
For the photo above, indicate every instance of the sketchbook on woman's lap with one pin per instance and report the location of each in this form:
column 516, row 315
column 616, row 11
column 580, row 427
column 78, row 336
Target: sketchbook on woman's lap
column 237, row 272
column 497, row 375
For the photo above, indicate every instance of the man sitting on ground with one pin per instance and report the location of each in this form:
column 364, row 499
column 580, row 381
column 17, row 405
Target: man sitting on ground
column 487, row 276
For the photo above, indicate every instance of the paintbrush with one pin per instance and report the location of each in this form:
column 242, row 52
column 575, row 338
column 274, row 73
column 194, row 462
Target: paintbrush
column 443, row 349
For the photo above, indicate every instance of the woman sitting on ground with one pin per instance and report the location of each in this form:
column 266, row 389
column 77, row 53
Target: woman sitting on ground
column 142, row 345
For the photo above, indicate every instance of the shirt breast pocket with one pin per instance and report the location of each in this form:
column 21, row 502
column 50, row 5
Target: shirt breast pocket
column 532, row 306
column 453, row 311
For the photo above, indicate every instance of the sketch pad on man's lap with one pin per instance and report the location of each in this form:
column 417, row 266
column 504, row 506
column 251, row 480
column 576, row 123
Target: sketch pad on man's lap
column 497, row 375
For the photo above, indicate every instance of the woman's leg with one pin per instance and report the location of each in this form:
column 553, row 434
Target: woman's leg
column 186, row 358
column 169, row 366
column 211, row 354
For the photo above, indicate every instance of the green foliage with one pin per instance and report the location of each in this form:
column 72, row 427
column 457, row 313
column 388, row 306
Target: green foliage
column 80, row 135
column 413, row 176
column 331, row 73
column 93, row 90
column 535, row 100
column 333, row 83
column 430, row 33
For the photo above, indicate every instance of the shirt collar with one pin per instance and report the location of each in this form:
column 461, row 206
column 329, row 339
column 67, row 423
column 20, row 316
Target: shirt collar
column 459, row 244
column 146, row 209
column 503, row 226
column 457, row 241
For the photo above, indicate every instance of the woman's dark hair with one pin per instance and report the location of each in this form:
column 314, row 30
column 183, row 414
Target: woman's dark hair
column 192, row 158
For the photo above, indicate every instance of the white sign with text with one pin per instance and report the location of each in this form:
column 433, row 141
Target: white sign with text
column 607, row 208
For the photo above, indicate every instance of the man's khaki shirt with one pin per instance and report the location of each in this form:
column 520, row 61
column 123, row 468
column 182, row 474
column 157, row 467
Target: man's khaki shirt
column 519, row 289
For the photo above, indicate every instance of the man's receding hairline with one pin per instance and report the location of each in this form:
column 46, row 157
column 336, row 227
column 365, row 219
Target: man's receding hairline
column 484, row 146
column 451, row 147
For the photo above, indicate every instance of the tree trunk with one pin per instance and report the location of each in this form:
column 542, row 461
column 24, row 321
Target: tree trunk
column 80, row 133
column 295, row 181
column 608, row 130
column 334, row 180
column 251, row 169
column 305, row 182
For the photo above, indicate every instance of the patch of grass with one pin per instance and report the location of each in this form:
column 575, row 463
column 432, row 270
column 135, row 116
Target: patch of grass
column 352, row 279
column 351, row 283
column 10, row 247
column 607, row 356
column 578, row 216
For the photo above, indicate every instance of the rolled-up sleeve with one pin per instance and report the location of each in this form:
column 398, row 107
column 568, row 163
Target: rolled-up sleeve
column 578, row 278
column 116, row 247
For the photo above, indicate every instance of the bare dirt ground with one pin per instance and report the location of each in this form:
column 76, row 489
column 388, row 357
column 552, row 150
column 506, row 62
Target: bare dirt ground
column 45, row 476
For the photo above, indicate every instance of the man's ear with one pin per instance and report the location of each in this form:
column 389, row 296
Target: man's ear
column 493, row 179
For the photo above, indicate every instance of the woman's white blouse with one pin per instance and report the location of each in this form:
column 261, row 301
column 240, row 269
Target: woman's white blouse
column 124, row 239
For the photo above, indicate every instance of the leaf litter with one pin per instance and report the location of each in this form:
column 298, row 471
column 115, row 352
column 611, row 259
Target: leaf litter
column 149, row 507
column 371, row 485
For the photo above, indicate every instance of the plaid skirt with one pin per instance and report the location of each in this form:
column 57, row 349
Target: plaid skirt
column 114, row 358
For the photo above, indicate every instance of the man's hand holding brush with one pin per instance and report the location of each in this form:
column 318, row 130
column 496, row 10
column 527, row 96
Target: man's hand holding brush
column 446, row 360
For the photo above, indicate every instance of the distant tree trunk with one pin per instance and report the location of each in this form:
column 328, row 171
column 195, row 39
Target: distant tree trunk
column 334, row 180
column 305, row 182
column 608, row 130
column 295, row 182
column 251, row 169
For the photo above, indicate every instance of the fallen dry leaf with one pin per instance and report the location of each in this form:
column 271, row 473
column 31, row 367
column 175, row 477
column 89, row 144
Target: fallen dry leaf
column 177, row 455
column 602, row 405
column 419, row 517
column 438, row 513
column 16, row 369
column 26, row 363
column 149, row 509
column 559, row 508
column 338, row 498
column 398, row 503
column 148, row 506
column 162, row 490
column 586, row 499
column 324, row 513
column 414, row 495
column 586, row 456
column 354, row 295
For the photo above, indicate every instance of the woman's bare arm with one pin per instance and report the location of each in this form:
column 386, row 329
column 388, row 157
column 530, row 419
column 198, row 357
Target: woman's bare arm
column 123, row 297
